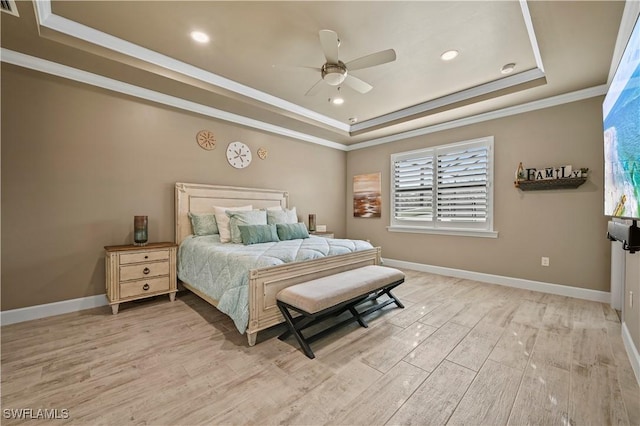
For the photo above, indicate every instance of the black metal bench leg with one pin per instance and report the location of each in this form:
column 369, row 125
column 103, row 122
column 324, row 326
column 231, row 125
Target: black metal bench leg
column 398, row 302
column 292, row 328
column 300, row 322
column 361, row 320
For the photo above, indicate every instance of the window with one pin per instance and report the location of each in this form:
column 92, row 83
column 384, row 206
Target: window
column 444, row 189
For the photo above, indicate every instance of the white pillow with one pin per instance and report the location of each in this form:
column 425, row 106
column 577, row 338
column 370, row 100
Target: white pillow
column 282, row 216
column 223, row 221
column 274, row 208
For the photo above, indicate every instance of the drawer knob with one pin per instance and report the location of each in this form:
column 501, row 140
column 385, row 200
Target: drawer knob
column 146, row 271
column 145, row 287
column 146, row 257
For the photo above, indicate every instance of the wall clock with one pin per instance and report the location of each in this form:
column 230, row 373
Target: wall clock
column 206, row 139
column 238, row 155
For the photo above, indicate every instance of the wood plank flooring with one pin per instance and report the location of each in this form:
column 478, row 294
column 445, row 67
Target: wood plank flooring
column 461, row 352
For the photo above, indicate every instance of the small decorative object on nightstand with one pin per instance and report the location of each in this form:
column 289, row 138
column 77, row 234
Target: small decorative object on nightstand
column 135, row 272
column 312, row 223
column 140, row 233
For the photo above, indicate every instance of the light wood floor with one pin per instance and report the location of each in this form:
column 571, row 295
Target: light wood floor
column 461, row 352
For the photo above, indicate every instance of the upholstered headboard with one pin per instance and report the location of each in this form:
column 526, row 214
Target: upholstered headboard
column 200, row 198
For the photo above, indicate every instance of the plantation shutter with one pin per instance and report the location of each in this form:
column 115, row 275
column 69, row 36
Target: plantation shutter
column 446, row 187
column 463, row 176
column 413, row 188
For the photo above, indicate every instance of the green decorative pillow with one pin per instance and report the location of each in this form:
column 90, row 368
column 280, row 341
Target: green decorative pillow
column 203, row 223
column 250, row 217
column 282, row 216
column 256, row 234
column 292, row 231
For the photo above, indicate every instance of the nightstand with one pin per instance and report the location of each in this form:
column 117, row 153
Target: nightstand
column 326, row 234
column 136, row 272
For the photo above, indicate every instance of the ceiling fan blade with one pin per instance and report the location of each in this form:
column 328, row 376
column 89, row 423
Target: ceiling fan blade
column 372, row 60
column 315, row 88
column 356, row 84
column 329, row 42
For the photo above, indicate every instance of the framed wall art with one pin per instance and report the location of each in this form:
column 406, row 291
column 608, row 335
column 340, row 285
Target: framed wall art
column 367, row 197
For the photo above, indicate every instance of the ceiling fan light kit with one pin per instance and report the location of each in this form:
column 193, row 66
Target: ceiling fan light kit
column 335, row 72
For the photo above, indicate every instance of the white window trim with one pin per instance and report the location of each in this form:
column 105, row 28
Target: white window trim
column 443, row 231
column 441, row 228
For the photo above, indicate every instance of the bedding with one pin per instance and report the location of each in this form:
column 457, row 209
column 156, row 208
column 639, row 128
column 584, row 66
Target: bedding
column 282, row 216
column 256, row 234
column 291, row 231
column 224, row 222
column 221, row 270
column 203, row 223
column 251, row 217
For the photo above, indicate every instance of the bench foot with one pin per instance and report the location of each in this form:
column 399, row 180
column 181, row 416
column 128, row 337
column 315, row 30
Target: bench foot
column 295, row 331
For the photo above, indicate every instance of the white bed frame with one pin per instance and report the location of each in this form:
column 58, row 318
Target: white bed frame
column 264, row 283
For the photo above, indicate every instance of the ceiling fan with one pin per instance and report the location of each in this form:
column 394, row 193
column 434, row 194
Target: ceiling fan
column 335, row 72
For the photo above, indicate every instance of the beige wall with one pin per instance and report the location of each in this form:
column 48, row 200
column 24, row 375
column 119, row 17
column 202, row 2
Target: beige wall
column 79, row 162
column 567, row 226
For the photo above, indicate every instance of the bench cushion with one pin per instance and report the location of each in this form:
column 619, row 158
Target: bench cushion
column 322, row 293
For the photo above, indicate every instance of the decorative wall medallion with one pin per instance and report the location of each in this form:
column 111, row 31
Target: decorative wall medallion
column 206, row 139
column 238, row 155
column 262, row 153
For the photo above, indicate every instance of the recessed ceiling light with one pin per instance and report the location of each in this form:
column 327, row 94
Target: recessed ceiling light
column 337, row 101
column 449, row 55
column 507, row 69
column 199, row 36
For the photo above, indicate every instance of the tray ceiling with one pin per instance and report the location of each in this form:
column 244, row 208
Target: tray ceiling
column 253, row 67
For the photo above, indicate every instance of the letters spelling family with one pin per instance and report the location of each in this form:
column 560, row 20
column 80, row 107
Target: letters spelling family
column 562, row 172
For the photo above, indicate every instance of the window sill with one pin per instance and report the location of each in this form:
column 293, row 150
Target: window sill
column 444, row 231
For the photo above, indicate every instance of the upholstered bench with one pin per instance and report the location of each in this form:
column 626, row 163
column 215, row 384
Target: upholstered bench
column 332, row 295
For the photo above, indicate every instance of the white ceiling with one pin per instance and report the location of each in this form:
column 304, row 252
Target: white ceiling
column 249, row 69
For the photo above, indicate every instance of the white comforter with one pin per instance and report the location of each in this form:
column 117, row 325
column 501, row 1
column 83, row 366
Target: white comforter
column 221, row 270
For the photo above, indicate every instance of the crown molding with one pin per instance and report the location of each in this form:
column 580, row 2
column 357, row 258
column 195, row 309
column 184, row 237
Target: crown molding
column 59, row 70
column 492, row 115
column 66, row 26
column 484, row 89
column 422, row 109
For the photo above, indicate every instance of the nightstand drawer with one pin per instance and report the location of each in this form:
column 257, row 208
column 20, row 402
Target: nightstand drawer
column 143, row 270
column 142, row 287
column 145, row 256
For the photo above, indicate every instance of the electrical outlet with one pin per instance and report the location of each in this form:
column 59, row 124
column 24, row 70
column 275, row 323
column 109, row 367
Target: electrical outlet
column 630, row 299
column 544, row 261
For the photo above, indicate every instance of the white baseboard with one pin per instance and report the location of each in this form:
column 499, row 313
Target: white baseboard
column 50, row 309
column 632, row 351
column 73, row 305
column 561, row 290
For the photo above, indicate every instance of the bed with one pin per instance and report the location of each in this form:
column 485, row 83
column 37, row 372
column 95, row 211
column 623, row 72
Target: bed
column 260, row 284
